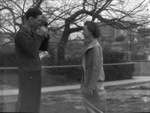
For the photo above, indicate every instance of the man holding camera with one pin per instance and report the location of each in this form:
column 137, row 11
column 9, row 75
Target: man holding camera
column 30, row 38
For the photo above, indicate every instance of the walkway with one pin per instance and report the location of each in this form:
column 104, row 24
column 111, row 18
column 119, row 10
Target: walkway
column 137, row 79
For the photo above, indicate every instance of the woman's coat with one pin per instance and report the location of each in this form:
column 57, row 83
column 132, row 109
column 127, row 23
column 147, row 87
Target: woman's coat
column 92, row 80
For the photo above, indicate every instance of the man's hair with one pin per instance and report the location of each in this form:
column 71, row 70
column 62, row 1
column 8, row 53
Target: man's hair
column 45, row 24
column 93, row 28
column 32, row 12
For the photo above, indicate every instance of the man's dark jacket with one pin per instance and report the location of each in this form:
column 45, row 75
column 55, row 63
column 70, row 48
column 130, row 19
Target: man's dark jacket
column 27, row 46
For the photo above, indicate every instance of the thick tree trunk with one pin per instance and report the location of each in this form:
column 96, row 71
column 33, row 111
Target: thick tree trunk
column 53, row 55
column 61, row 47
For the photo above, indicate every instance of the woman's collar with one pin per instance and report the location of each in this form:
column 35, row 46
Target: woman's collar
column 93, row 44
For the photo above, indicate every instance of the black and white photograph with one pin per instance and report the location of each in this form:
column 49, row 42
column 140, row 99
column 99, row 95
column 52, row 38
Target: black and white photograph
column 74, row 56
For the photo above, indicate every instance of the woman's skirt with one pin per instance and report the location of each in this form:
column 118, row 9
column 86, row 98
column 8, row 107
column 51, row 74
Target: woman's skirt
column 95, row 102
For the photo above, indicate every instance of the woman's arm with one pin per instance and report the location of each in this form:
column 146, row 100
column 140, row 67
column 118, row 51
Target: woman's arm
column 93, row 67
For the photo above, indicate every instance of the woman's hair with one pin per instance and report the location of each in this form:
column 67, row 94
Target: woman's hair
column 32, row 12
column 93, row 28
column 44, row 21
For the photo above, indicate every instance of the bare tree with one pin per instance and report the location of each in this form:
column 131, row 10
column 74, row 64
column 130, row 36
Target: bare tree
column 12, row 12
column 112, row 12
column 69, row 15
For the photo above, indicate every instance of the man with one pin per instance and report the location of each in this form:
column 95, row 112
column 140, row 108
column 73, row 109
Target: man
column 27, row 46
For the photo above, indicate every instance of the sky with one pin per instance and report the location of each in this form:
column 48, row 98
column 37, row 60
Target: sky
column 128, row 5
column 133, row 3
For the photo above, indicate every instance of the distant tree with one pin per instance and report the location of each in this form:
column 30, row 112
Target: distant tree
column 120, row 38
column 144, row 32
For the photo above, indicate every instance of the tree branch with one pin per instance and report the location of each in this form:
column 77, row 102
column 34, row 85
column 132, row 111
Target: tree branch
column 37, row 4
column 12, row 13
column 72, row 30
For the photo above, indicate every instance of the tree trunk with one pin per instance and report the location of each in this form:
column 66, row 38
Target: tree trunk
column 53, row 55
column 61, row 47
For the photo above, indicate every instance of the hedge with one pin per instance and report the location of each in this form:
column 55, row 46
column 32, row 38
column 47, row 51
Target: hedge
column 7, row 59
column 74, row 73
column 119, row 71
column 112, row 72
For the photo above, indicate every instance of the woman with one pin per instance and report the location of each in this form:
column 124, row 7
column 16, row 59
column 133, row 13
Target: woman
column 92, row 81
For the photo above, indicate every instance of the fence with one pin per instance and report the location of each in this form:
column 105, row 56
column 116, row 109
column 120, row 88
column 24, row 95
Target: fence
column 10, row 74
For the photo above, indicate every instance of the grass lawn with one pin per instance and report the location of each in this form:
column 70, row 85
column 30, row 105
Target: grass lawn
column 124, row 99
column 120, row 99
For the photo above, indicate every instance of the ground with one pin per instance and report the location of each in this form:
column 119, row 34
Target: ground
column 120, row 99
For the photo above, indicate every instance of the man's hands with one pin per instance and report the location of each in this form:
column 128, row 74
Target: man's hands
column 42, row 31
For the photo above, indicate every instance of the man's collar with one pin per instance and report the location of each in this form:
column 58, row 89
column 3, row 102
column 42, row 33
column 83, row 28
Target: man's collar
column 26, row 29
